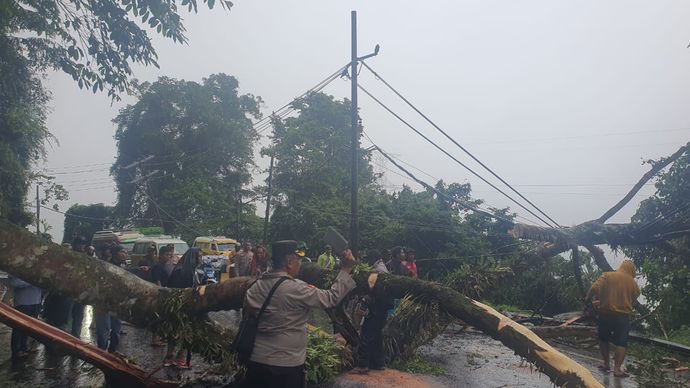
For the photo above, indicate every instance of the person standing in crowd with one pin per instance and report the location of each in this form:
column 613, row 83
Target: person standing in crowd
column 370, row 351
column 183, row 276
column 78, row 245
column 91, row 251
column 243, row 260
column 280, row 349
column 159, row 276
column 161, row 271
column 147, row 262
column 57, row 308
column 398, row 264
column 302, row 252
column 327, row 260
column 259, row 261
column 386, row 257
column 411, row 266
column 107, row 325
column 27, row 300
column 614, row 294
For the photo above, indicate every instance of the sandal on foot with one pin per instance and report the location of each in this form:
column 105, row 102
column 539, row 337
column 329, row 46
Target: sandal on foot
column 604, row 368
column 621, row 374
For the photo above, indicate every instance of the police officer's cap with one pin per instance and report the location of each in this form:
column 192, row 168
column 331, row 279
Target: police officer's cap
column 280, row 249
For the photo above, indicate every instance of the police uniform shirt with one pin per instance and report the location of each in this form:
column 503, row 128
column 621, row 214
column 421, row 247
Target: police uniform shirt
column 282, row 336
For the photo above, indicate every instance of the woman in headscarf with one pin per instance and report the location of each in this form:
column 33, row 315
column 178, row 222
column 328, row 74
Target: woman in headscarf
column 259, row 261
column 183, row 276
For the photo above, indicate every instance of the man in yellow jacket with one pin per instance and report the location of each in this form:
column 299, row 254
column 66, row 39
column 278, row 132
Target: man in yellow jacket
column 614, row 294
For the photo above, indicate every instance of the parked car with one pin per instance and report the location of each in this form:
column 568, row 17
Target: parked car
column 141, row 246
column 125, row 237
column 216, row 246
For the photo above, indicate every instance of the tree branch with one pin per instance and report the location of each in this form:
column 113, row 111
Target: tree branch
column 658, row 166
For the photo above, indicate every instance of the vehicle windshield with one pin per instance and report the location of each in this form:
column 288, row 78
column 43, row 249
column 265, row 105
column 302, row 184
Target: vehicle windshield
column 181, row 248
column 226, row 247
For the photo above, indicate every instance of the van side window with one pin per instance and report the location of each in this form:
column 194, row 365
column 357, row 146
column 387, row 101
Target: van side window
column 138, row 248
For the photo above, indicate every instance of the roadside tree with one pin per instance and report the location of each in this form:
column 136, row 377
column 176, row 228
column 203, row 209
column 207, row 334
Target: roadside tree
column 185, row 156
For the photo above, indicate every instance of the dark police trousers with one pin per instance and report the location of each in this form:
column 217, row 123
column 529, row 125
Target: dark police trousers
column 370, row 352
column 268, row 376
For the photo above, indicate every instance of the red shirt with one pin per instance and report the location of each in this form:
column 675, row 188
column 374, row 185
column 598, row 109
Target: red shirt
column 411, row 268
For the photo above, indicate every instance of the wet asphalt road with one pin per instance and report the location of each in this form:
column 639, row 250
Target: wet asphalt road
column 42, row 369
column 470, row 359
column 473, row 359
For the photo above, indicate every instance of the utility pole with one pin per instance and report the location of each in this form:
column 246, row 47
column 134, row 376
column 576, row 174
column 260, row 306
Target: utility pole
column 354, row 208
column 354, row 216
column 268, row 200
column 38, row 212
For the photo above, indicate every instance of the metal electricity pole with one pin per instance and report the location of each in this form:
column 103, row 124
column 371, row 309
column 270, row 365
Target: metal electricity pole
column 268, row 200
column 38, row 213
column 354, row 217
column 354, row 208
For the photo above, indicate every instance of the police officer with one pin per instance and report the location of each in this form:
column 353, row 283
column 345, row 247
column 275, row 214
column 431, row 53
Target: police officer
column 280, row 349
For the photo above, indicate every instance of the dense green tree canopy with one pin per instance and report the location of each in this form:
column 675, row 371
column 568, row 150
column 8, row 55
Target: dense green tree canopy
column 197, row 141
column 666, row 265
column 23, row 129
column 312, row 169
column 94, row 41
column 85, row 220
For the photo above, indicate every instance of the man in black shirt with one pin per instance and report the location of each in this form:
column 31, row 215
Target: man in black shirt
column 161, row 270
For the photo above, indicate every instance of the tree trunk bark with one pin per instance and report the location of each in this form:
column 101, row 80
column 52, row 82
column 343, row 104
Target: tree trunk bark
column 101, row 284
column 565, row 331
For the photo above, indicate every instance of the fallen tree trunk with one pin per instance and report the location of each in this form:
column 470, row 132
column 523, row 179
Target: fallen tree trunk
column 591, row 233
column 106, row 286
column 118, row 371
column 565, row 331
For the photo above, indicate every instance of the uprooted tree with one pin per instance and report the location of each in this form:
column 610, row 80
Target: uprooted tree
column 184, row 311
column 101, row 284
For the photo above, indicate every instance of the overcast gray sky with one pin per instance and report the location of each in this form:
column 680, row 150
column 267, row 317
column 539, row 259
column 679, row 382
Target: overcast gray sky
column 563, row 99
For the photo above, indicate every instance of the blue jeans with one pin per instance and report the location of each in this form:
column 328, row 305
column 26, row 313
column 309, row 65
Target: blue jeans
column 107, row 331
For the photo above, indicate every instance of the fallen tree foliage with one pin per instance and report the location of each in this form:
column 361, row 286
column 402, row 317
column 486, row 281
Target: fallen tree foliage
column 596, row 232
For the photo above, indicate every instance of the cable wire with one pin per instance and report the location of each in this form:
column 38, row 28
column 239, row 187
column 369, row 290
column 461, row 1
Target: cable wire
column 439, row 192
column 458, row 144
column 450, row 156
column 316, row 88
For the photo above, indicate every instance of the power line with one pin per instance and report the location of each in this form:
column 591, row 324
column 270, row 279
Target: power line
column 76, row 166
column 316, row 88
column 79, row 171
column 439, row 192
column 458, row 144
column 413, row 180
column 605, row 134
column 450, row 156
column 95, row 218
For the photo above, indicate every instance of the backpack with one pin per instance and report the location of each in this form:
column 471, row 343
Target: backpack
column 243, row 344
